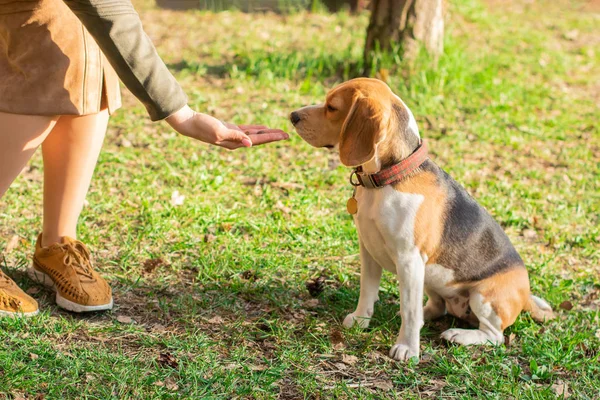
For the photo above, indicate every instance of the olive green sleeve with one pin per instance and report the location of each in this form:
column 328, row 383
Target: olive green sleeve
column 116, row 27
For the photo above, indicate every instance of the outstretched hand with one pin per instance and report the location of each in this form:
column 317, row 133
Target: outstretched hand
column 210, row 130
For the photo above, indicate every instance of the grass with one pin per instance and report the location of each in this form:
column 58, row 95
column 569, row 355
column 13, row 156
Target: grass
column 211, row 297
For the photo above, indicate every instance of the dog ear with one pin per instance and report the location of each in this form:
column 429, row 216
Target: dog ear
column 362, row 131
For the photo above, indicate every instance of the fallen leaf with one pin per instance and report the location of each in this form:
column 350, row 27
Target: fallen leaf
column 124, row 319
column 561, row 389
column 177, row 199
column 258, row 367
column 153, row 263
column 33, row 290
column 340, row 366
column 167, row 360
column 339, row 346
column 171, row 385
column 312, row 303
column 159, row 383
column 529, row 234
column 249, row 275
column 33, row 356
column 508, row 340
column 383, row 385
column 216, row 320
column 349, row 359
column 336, row 336
column 12, row 244
column 315, row 286
column 566, row 305
column 159, row 328
column 209, row 237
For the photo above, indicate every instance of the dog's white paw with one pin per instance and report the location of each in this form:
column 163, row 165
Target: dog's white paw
column 403, row 352
column 471, row 336
column 352, row 319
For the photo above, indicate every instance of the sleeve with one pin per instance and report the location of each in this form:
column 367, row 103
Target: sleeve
column 116, row 27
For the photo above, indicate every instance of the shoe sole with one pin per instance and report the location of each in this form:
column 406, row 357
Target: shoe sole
column 9, row 314
column 42, row 278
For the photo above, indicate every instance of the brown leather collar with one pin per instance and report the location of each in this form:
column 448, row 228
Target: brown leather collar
column 393, row 174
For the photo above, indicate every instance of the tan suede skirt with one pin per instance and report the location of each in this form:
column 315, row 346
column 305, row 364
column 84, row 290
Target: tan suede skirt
column 50, row 64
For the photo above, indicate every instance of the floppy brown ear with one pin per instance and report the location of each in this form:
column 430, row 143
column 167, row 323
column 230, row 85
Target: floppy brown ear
column 361, row 132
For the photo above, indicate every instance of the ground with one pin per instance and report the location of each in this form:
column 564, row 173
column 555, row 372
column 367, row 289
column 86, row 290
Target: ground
column 232, row 271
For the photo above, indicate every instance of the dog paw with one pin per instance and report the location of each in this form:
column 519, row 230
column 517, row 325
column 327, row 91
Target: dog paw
column 403, row 352
column 352, row 319
column 471, row 336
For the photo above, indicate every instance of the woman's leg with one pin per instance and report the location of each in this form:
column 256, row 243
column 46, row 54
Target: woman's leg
column 20, row 136
column 70, row 154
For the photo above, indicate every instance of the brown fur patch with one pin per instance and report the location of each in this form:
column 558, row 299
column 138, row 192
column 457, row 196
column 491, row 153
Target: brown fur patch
column 429, row 223
column 507, row 292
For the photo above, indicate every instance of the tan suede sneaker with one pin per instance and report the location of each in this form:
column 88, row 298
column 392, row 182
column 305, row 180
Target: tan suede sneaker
column 66, row 267
column 14, row 301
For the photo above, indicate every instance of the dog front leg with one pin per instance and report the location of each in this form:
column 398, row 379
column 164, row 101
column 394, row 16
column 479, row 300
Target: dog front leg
column 370, row 277
column 411, row 277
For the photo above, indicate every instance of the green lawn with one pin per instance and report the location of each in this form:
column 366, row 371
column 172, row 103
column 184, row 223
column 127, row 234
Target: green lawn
column 211, row 297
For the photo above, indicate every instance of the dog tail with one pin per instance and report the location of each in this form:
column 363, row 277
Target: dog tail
column 539, row 309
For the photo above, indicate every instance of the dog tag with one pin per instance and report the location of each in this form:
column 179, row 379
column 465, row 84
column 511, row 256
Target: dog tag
column 352, row 205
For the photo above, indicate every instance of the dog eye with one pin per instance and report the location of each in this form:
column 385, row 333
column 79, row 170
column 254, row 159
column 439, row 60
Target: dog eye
column 330, row 108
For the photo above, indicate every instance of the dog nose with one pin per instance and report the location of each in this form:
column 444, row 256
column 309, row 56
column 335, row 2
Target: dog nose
column 295, row 118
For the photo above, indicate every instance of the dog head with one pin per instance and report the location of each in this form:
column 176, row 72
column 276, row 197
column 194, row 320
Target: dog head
column 365, row 118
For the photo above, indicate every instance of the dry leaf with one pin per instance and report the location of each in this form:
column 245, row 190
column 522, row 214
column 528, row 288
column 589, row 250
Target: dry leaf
column 177, row 199
column 33, row 356
column 566, row 305
column 33, row 290
column 258, row 367
column 159, row 328
column 508, row 340
column 209, row 237
column 159, row 383
column 339, row 346
column 153, row 263
column 561, row 389
column 124, row 319
column 312, row 303
column 167, row 360
column 171, row 385
column 12, row 244
column 340, row 366
column 383, row 385
column 216, row 320
column 349, row 359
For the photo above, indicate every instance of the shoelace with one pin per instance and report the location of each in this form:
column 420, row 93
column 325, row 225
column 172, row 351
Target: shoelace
column 78, row 257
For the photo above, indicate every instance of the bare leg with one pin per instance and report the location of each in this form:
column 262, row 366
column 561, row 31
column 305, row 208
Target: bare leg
column 370, row 277
column 20, row 136
column 70, row 154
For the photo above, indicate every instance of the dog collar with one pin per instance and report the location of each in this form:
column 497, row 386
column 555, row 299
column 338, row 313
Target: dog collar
column 393, row 174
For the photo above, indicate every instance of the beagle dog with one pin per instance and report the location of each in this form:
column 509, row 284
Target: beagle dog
column 414, row 220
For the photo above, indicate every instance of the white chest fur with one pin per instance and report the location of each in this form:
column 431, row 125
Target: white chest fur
column 385, row 222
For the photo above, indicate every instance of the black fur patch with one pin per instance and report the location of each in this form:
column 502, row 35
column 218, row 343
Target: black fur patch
column 410, row 138
column 473, row 244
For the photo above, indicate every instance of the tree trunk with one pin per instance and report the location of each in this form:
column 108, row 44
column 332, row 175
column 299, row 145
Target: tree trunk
column 408, row 22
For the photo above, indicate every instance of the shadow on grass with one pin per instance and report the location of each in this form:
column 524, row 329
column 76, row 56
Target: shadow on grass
column 270, row 65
